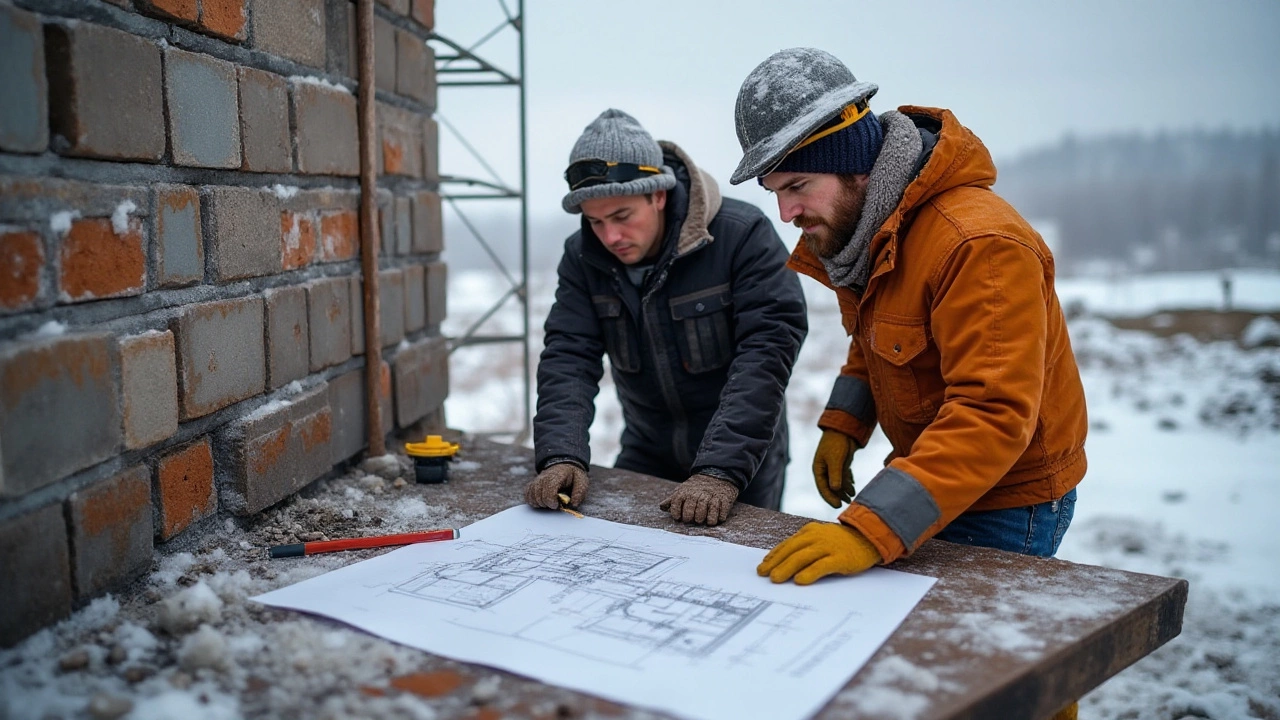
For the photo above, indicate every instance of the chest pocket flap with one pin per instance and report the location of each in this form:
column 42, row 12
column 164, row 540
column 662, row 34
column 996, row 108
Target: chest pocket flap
column 688, row 307
column 898, row 343
column 703, row 325
column 620, row 339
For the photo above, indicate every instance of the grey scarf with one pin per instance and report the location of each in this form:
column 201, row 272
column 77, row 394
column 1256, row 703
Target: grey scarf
column 894, row 169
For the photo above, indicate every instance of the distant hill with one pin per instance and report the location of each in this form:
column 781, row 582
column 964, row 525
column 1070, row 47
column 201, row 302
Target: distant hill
column 1169, row 201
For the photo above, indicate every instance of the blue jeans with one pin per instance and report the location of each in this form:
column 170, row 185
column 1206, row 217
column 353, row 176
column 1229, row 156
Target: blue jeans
column 1032, row 530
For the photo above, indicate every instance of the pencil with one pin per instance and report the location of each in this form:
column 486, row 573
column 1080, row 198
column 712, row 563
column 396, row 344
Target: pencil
column 322, row 546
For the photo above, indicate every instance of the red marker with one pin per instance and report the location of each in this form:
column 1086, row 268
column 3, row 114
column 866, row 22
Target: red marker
column 311, row 548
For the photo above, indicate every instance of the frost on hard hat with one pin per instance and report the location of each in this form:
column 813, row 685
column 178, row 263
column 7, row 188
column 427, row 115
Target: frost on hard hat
column 784, row 100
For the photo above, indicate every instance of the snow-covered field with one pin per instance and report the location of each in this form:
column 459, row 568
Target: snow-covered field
column 1184, row 455
column 1184, row 465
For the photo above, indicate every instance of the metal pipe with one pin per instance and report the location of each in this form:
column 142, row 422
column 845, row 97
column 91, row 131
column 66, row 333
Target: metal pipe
column 524, row 227
column 366, row 107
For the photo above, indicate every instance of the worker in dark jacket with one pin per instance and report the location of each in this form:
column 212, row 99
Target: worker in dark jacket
column 689, row 296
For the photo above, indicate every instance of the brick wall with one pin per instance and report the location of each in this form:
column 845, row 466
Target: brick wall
column 180, row 294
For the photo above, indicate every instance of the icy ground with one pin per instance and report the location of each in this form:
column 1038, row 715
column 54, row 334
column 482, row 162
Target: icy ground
column 1184, row 455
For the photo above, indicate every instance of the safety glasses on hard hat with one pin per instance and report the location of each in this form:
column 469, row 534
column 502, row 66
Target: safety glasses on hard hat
column 586, row 173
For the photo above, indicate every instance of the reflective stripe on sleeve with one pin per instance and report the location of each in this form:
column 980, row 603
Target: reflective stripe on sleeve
column 902, row 503
column 852, row 395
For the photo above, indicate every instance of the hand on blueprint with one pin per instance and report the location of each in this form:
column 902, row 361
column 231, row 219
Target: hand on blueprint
column 833, row 467
column 819, row 549
column 541, row 492
column 701, row 499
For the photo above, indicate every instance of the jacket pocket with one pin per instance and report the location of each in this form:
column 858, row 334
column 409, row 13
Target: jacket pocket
column 619, row 339
column 897, row 345
column 703, row 323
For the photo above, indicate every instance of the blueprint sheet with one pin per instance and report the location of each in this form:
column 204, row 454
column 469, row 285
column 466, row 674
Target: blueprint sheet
column 639, row 616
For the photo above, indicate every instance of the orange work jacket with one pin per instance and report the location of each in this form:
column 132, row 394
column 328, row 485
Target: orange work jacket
column 959, row 351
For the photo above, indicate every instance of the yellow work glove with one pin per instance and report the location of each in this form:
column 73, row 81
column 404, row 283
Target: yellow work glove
column 542, row 491
column 833, row 467
column 701, row 499
column 1068, row 713
column 819, row 549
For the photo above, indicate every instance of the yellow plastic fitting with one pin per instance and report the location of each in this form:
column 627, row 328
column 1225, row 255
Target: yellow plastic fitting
column 434, row 446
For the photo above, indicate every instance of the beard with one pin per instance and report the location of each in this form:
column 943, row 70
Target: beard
column 834, row 232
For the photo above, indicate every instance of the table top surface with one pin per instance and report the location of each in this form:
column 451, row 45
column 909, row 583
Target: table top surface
column 999, row 634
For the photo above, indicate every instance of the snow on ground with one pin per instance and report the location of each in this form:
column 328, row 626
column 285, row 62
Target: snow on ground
column 1184, row 453
column 1184, row 465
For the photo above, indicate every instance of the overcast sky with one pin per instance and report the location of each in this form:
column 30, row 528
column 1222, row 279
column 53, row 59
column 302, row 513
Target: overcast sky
column 1020, row 74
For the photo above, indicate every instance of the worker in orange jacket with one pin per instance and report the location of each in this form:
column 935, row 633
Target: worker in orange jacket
column 959, row 347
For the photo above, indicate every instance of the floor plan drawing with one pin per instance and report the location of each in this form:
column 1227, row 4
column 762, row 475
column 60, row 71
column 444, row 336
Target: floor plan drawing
column 676, row 623
column 613, row 594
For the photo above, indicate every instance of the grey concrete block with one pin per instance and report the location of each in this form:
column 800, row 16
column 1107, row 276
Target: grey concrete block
column 292, row 29
column 242, row 230
column 428, row 223
column 430, row 150
column 204, row 109
column 415, row 299
column 384, row 54
column 59, row 409
column 111, row 531
column 221, row 355
column 35, row 571
column 277, row 450
column 178, row 251
column 404, row 226
column 326, row 142
column 149, row 387
column 415, row 65
column 357, row 316
column 386, row 223
column 421, row 379
column 437, row 292
column 329, row 321
column 391, row 306
column 24, row 120
column 105, row 93
column 340, row 37
column 347, row 404
column 264, row 121
column 288, row 343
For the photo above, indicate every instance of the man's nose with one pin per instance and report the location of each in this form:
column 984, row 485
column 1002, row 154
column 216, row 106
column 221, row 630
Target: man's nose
column 612, row 234
column 787, row 210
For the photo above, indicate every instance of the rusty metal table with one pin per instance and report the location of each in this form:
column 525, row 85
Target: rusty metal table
column 1000, row 635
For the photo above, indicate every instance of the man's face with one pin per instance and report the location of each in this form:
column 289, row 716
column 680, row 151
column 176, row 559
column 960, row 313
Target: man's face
column 825, row 207
column 629, row 226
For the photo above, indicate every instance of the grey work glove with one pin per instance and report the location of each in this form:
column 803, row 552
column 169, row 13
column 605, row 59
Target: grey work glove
column 701, row 499
column 541, row 492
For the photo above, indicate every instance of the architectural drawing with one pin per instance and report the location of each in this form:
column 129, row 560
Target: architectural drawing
column 648, row 618
column 612, row 592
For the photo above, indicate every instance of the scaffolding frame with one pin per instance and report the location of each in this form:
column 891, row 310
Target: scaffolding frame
column 464, row 66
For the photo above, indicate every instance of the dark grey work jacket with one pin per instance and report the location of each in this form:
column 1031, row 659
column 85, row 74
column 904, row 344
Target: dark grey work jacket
column 700, row 355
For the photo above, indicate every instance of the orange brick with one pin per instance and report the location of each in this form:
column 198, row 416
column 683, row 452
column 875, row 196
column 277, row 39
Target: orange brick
column 184, row 480
column 392, row 157
column 339, row 236
column 97, row 263
column 223, row 17
column 20, row 260
column 179, row 9
column 424, row 11
column 297, row 239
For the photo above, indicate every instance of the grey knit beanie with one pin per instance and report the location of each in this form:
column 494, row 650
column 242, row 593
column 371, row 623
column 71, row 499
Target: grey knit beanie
column 617, row 137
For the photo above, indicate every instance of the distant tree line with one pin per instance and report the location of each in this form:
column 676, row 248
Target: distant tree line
column 1170, row 201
